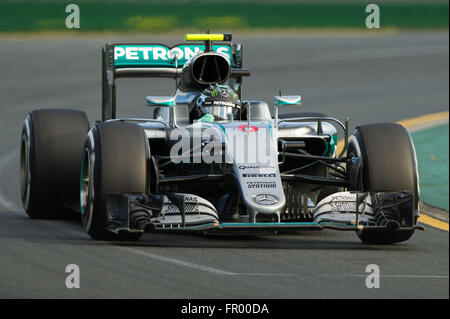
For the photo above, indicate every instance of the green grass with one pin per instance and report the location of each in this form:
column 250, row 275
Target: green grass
column 432, row 155
column 30, row 16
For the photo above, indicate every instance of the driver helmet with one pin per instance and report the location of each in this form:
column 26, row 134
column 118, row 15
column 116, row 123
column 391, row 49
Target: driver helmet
column 219, row 101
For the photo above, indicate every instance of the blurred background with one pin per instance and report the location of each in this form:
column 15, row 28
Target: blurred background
column 188, row 15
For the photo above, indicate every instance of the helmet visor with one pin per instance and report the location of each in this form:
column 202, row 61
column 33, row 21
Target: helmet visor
column 220, row 113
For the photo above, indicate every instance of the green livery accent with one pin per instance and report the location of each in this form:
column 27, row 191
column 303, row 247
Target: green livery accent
column 270, row 130
column 331, row 145
column 268, row 224
column 287, row 100
column 289, row 103
column 160, row 100
column 157, row 55
column 207, row 118
column 170, row 103
column 223, row 129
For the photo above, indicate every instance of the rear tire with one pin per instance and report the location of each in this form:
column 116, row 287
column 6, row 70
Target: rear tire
column 388, row 166
column 114, row 160
column 50, row 155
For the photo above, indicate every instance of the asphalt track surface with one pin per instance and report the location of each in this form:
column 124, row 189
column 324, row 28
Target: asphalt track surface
column 370, row 78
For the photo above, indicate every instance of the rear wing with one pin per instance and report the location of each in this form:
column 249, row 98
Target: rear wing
column 128, row 60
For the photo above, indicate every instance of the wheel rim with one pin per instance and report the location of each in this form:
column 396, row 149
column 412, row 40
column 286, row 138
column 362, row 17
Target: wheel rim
column 25, row 174
column 85, row 181
column 354, row 150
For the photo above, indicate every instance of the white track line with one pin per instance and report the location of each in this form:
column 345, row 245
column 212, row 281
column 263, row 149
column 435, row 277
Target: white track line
column 177, row 261
column 208, row 269
column 217, row 271
column 4, row 202
column 394, row 276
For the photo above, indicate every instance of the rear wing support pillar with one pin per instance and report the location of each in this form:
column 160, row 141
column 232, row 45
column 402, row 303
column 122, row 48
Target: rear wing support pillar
column 108, row 83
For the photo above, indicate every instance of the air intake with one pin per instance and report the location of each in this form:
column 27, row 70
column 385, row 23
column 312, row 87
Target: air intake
column 210, row 68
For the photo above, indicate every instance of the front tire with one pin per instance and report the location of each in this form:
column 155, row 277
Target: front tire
column 388, row 168
column 114, row 160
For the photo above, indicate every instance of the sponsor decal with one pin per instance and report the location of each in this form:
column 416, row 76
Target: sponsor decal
column 265, row 199
column 190, row 198
column 245, row 128
column 261, row 185
column 255, row 167
column 344, row 198
column 345, row 202
column 344, row 207
column 160, row 55
column 220, row 103
column 258, row 175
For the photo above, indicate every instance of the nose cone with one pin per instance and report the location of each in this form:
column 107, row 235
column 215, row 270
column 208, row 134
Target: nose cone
column 255, row 160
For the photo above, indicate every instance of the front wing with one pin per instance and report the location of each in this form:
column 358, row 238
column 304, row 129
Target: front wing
column 175, row 212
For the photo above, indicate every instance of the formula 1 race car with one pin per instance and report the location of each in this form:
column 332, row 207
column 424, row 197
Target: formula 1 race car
column 207, row 161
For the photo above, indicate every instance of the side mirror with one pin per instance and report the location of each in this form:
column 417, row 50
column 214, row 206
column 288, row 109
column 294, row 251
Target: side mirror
column 283, row 100
column 164, row 101
column 160, row 100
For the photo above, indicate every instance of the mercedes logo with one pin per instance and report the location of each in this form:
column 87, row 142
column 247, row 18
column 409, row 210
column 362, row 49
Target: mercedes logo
column 224, row 92
column 265, row 199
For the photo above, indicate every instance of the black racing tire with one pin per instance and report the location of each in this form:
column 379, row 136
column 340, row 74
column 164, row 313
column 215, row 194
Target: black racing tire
column 302, row 114
column 388, row 165
column 115, row 160
column 385, row 238
column 51, row 147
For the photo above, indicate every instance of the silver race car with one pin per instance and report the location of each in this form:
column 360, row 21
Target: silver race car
column 208, row 161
